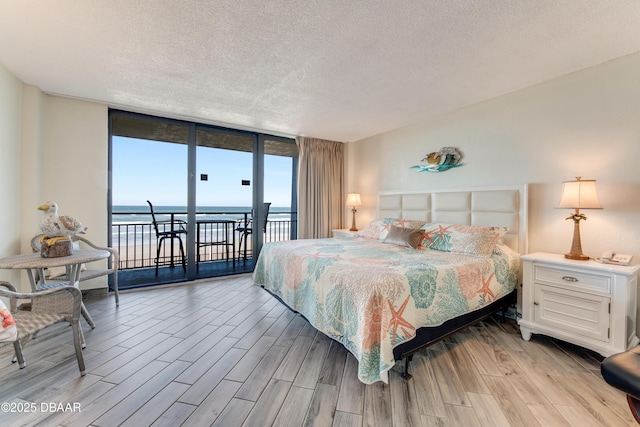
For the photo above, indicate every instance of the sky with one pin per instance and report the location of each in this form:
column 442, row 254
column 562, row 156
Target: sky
column 157, row 171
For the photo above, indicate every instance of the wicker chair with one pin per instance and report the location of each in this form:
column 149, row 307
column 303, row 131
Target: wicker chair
column 91, row 273
column 48, row 307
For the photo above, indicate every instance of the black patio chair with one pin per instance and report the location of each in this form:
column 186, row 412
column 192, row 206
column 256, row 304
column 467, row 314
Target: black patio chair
column 172, row 233
column 246, row 228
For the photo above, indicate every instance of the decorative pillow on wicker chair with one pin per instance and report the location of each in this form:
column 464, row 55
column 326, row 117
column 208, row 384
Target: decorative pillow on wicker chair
column 462, row 239
column 379, row 229
column 8, row 331
column 409, row 237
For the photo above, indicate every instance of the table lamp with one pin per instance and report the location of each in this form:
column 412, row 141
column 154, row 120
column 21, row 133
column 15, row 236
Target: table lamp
column 353, row 200
column 578, row 194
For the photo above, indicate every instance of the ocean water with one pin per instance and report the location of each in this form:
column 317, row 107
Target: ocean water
column 128, row 228
column 141, row 214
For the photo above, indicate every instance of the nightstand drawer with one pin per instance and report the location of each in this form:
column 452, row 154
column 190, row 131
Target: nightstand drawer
column 575, row 312
column 573, row 279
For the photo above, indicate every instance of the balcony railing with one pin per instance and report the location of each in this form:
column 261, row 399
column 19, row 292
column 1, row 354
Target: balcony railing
column 136, row 242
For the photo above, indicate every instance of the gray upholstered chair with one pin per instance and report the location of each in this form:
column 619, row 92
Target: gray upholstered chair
column 61, row 304
column 91, row 272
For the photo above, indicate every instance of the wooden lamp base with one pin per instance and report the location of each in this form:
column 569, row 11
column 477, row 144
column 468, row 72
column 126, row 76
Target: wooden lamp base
column 578, row 257
column 576, row 245
column 353, row 222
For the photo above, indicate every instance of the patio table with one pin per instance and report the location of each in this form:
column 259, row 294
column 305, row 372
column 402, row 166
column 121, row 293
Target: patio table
column 228, row 241
column 34, row 264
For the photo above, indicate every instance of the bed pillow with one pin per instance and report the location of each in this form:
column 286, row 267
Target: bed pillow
column 462, row 239
column 409, row 237
column 379, row 228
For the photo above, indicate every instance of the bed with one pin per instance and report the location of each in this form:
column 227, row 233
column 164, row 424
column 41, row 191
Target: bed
column 431, row 264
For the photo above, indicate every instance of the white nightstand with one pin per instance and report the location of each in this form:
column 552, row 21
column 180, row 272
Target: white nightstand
column 344, row 233
column 586, row 303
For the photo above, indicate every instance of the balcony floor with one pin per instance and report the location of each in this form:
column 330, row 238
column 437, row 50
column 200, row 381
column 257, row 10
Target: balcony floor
column 141, row 277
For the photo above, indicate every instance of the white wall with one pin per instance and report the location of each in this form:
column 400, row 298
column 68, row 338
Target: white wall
column 33, row 118
column 74, row 166
column 584, row 124
column 73, row 169
column 52, row 149
column 10, row 122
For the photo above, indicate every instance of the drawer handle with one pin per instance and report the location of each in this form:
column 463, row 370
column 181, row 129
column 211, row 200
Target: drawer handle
column 569, row 279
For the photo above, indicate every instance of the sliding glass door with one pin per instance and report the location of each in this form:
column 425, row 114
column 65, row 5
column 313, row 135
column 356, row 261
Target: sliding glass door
column 224, row 200
column 148, row 165
column 217, row 195
column 280, row 168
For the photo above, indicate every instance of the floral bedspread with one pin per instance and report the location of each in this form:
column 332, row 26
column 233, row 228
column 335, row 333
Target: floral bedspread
column 371, row 296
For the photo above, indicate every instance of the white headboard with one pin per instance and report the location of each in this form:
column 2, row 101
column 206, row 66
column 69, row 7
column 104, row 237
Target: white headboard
column 497, row 206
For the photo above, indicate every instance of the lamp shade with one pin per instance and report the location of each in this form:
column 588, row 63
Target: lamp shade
column 353, row 199
column 579, row 194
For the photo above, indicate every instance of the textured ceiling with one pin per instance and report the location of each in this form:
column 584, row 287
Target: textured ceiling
column 339, row 70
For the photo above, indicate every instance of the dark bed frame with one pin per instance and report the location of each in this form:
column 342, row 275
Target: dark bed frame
column 427, row 336
column 430, row 335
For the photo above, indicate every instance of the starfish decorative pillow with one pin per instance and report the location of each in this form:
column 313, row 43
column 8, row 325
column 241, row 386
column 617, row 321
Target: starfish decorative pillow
column 8, row 331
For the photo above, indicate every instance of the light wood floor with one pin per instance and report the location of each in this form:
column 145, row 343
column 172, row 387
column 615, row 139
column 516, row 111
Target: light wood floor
column 225, row 353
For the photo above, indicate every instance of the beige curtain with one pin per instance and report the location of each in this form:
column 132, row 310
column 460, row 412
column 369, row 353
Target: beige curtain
column 320, row 187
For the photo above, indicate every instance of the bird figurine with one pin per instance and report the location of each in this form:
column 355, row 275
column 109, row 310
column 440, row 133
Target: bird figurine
column 433, row 160
column 56, row 227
